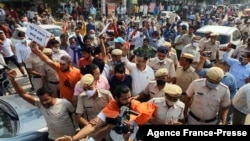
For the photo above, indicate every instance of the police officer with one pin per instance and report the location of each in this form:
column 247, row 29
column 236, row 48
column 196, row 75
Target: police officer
column 208, row 95
column 212, row 46
column 155, row 87
column 161, row 61
column 116, row 55
column 51, row 77
column 34, row 67
column 169, row 108
column 91, row 101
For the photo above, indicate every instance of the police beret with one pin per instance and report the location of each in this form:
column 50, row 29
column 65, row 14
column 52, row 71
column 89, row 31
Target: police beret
column 167, row 44
column 116, row 52
column 86, row 80
column 172, row 90
column 196, row 38
column 214, row 34
column 47, row 51
column 215, row 73
column 188, row 55
column 162, row 49
column 161, row 72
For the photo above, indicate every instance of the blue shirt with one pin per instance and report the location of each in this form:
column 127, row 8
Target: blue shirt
column 92, row 11
column 240, row 72
column 114, row 82
column 228, row 80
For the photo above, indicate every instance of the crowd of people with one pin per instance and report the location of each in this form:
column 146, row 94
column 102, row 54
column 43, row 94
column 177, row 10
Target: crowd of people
column 163, row 72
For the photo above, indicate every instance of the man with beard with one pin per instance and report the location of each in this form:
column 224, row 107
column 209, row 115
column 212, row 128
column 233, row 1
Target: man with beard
column 112, row 111
column 68, row 74
column 155, row 88
column 55, row 110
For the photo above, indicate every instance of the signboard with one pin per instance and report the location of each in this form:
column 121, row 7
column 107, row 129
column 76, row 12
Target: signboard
column 151, row 7
column 37, row 34
column 134, row 1
column 111, row 8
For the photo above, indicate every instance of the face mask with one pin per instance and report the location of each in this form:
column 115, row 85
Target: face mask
column 154, row 40
column 170, row 103
column 240, row 59
column 92, row 35
column 211, row 85
column 116, row 63
column 55, row 49
column 160, row 82
column 158, row 60
column 195, row 44
column 90, row 93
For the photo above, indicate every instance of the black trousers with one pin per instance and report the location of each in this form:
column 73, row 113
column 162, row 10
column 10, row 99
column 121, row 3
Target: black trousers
column 13, row 60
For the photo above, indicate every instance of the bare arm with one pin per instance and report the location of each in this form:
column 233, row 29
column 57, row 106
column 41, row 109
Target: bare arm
column 82, row 121
column 20, row 91
column 224, row 113
column 201, row 63
column 103, row 131
column 88, row 129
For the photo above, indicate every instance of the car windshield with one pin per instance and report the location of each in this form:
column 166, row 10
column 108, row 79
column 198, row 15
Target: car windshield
column 223, row 39
column 8, row 122
column 163, row 14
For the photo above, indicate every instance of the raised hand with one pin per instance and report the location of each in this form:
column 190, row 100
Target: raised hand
column 12, row 74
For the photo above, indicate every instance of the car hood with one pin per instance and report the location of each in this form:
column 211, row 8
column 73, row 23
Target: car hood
column 28, row 117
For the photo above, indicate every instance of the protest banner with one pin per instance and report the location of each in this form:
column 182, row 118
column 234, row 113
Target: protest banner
column 37, row 34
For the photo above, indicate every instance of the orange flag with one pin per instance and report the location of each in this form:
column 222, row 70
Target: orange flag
column 144, row 109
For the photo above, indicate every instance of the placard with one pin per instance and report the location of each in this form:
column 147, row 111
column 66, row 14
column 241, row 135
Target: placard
column 38, row 34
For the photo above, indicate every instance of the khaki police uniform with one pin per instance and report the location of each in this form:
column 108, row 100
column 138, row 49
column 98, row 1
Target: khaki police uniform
column 166, row 113
column 184, row 78
column 153, row 91
column 206, row 102
column 36, row 64
column 169, row 113
column 89, row 106
column 214, row 48
column 51, row 77
column 168, row 64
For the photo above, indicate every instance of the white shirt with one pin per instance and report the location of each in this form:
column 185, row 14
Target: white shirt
column 6, row 48
column 140, row 79
column 133, row 37
column 166, row 113
column 22, row 51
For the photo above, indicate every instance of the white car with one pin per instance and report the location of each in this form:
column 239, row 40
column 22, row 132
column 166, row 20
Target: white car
column 57, row 30
column 170, row 15
column 21, row 121
column 226, row 34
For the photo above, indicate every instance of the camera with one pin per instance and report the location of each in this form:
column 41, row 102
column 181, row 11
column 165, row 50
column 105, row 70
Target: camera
column 207, row 53
column 120, row 121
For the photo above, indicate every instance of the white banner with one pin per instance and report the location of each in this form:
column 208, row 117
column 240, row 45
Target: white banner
column 37, row 34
